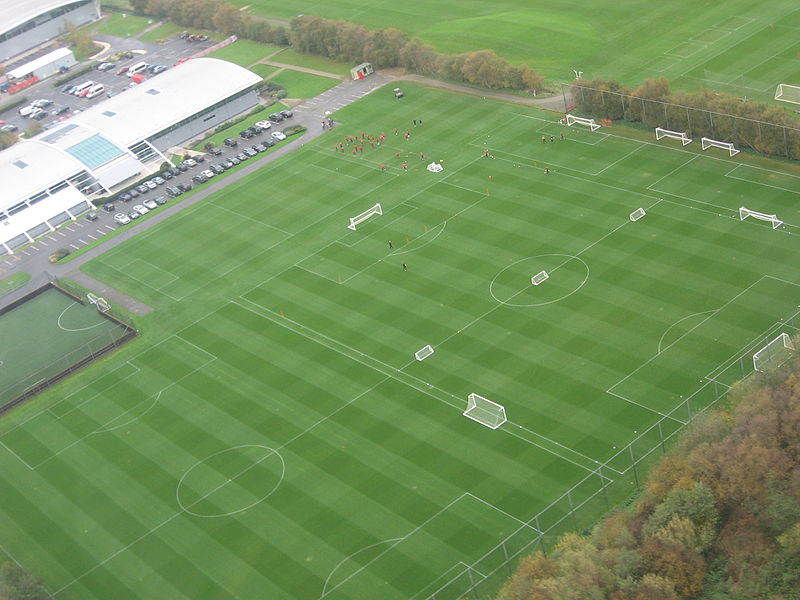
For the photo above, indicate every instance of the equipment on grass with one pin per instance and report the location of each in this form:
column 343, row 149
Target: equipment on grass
column 423, row 353
column 375, row 210
column 435, row 167
column 788, row 93
column 677, row 135
column 485, row 411
column 637, row 214
column 774, row 354
column 746, row 212
column 539, row 277
column 709, row 143
column 572, row 120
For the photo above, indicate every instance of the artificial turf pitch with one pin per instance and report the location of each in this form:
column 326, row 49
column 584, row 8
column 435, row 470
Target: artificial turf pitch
column 271, row 434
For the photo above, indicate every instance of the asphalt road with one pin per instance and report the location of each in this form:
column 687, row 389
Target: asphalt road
column 33, row 259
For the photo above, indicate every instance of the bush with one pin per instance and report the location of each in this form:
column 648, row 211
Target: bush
column 58, row 255
column 73, row 73
column 14, row 103
column 294, row 130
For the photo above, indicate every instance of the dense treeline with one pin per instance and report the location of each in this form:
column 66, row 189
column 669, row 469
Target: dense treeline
column 347, row 42
column 18, row 584
column 719, row 517
column 764, row 128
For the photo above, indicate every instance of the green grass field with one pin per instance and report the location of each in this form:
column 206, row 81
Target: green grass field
column 122, row 24
column 304, row 85
column 309, row 61
column 263, row 70
column 162, row 32
column 12, row 282
column 244, row 52
column 739, row 46
column 271, row 434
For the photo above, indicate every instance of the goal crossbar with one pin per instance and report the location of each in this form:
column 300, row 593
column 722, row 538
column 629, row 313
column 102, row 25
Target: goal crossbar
column 590, row 123
column 677, row 135
column 746, row 212
column 485, row 411
column 774, row 354
column 709, row 143
column 788, row 93
column 360, row 218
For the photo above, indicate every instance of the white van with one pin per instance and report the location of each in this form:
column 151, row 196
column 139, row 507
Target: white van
column 27, row 111
column 95, row 90
column 137, row 68
column 82, row 87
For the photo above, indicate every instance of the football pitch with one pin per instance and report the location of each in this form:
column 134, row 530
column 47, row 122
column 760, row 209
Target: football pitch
column 272, row 435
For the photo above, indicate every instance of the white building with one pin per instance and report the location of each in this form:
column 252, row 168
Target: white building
column 29, row 23
column 45, row 65
column 47, row 180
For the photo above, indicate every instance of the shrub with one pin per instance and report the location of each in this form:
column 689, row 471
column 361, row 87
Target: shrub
column 58, row 255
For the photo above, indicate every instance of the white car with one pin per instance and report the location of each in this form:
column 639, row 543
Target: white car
column 27, row 111
column 122, row 218
column 151, row 204
column 264, row 124
column 151, row 184
column 142, row 210
column 278, row 135
column 190, row 162
column 208, row 173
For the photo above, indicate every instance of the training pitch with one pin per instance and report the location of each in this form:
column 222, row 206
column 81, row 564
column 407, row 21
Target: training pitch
column 272, row 434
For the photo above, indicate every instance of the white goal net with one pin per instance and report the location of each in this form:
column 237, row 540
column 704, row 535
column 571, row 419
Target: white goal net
column 360, row 218
column 788, row 93
column 676, row 135
column 590, row 123
column 709, row 143
column 773, row 219
column 423, row 353
column 485, row 411
column 101, row 303
column 637, row 214
column 774, row 354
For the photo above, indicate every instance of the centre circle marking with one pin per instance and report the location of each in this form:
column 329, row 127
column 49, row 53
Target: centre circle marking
column 568, row 257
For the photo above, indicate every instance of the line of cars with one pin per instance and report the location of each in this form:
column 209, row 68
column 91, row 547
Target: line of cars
column 36, row 110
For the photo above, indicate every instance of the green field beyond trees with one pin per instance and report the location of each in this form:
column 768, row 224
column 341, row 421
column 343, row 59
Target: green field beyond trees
column 271, row 434
column 738, row 46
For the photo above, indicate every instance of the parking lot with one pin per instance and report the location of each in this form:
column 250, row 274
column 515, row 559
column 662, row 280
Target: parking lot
column 167, row 54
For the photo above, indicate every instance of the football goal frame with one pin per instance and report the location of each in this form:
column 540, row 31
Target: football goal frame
column 360, row 218
column 423, row 352
column 637, row 214
column 709, row 143
column 485, row 412
column 101, row 303
column 540, row 277
column 774, row 354
column 590, row 123
column 788, row 93
column 675, row 135
column 746, row 212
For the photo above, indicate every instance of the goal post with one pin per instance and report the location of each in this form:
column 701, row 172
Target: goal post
column 92, row 298
column 539, row 277
column 676, row 135
column 773, row 219
column 709, row 143
column 788, row 93
column 590, row 123
column 637, row 214
column 360, row 218
column 102, row 305
column 423, row 353
column 485, row 411
column 774, row 354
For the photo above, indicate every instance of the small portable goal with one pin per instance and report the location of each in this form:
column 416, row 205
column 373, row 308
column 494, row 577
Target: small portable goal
column 540, row 277
column 709, row 143
column 101, row 303
column 360, row 218
column 423, row 353
column 788, row 93
column 773, row 219
column 590, row 123
column 485, row 411
column 675, row 135
column 637, row 214
column 435, row 167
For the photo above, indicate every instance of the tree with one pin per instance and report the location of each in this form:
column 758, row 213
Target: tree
column 33, row 129
column 686, row 517
column 18, row 584
column 227, row 19
column 139, row 6
column 7, row 139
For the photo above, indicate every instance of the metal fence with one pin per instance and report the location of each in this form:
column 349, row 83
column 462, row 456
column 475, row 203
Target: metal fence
column 613, row 481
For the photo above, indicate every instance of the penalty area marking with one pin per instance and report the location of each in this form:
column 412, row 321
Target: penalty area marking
column 187, row 508
column 568, row 258
column 70, row 329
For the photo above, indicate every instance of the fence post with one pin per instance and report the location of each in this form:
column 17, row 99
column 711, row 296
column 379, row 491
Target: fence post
column 633, row 464
column 661, row 437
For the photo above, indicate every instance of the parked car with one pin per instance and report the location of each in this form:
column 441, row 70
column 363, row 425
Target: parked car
column 184, row 187
column 159, row 180
column 250, row 152
column 199, row 158
column 150, row 203
column 175, row 171
column 133, row 193
column 287, row 114
column 122, row 218
column 189, row 162
column 27, row 111
column 230, row 142
column 226, row 164
column 125, row 197
column 159, row 69
column 141, row 209
column 59, row 110
column 122, row 71
column 8, row 128
column 183, row 167
column 241, row 157
column 268, row 143
column 105, row 66
column 199, row 178
column 277, row 117
column 208, row 173
column 246, row 134
column 165, row 174
column 92, row 216
column 234, row 161
column 174, row 191
column 39, row 115
column 151, row 185
column 161, row 200
column 264, row 124
column 133, row 215
column 259, row 147
column 42, row 103
column 215, row 151
column 278, row 135
column 68, row 89
column 255, row 128
column 217, row 169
